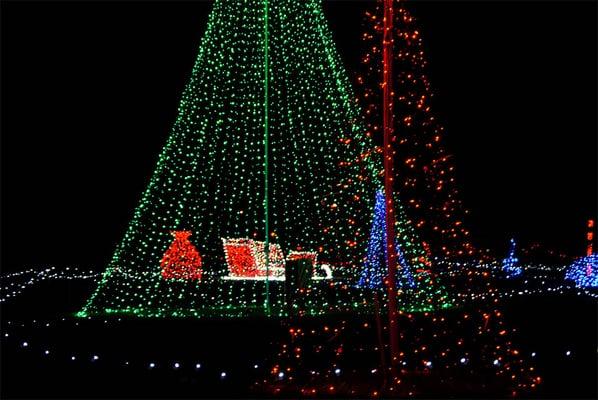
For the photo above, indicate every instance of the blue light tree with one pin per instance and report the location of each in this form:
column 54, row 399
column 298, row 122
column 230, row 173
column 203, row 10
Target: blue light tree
column 374, row 270
column 584, row 271
column 418, row 287
column 510, row 264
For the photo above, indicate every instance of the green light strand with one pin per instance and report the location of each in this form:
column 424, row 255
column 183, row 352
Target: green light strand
column 266, row 195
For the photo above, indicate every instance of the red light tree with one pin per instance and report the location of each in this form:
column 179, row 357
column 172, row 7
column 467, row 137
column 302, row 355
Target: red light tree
column 424, row 171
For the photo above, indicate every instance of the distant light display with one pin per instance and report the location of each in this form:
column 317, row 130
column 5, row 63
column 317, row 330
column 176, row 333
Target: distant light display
column 590, row 238
column 584, row 271
column 14, row 284
column 510, row 264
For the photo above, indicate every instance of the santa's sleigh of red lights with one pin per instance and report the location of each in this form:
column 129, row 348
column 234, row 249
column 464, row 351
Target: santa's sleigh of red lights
column 246, row 260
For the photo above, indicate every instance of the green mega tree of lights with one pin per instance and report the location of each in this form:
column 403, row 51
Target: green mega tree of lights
column 268, row 137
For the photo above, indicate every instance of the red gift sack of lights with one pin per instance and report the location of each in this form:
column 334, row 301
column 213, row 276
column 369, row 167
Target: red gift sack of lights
column 181, row 260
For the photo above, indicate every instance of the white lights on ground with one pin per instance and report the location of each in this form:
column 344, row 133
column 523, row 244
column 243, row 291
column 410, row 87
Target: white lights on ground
column 15, row 283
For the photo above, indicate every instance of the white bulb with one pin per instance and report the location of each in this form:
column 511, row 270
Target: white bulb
column 177, row 365
column 152, row 365
column 568, row 353
column 281, row 374
column 197, row 366
column 25, row 344
column 337, row 371
column 223, row 374
column 496, row 362
column 463, row 360
column 46, row 352
column 95, row 358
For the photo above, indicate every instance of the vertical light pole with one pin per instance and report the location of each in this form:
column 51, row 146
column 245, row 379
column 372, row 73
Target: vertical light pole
column 266, row 155
column 387, row 122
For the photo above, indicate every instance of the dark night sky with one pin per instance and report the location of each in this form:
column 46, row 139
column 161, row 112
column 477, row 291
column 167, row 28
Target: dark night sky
column 90, row 90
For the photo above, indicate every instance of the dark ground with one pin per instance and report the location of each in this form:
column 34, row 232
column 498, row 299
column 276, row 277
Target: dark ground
column 549, row 326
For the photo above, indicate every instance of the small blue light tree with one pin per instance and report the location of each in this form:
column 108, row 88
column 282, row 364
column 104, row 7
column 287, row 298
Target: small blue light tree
column 510, row 264
column 584, row 271
column 374, row 271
